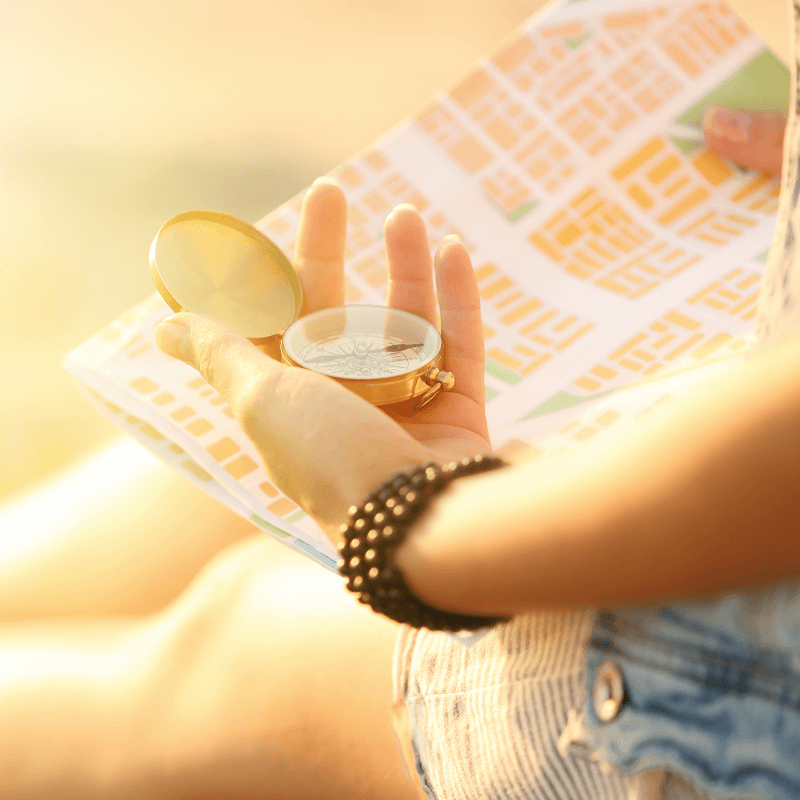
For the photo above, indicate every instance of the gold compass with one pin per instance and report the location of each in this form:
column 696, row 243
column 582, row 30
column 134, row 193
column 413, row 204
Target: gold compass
column 213, row 263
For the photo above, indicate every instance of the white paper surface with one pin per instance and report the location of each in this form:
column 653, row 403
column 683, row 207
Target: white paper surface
column 616, row 257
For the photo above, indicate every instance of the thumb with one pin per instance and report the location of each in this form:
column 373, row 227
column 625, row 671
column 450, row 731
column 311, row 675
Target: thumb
column 752, row 139
column 270, row 403
column 229, row 362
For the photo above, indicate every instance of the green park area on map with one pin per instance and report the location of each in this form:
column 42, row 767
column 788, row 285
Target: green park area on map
column 761, row 85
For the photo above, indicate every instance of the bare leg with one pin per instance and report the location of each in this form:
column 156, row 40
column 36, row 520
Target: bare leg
column 280, row 674
column 120, row 533
column 264, row 680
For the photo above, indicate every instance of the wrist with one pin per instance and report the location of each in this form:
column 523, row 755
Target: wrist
column 426, row 556
column 381, row 524
column 353, row 489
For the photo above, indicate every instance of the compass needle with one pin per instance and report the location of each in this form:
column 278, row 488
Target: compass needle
column 384, row 350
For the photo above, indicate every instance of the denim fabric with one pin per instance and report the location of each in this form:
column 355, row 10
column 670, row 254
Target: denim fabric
column 712, row 692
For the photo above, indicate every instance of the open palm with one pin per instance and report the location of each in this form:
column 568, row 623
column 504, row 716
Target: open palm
column 322, row 444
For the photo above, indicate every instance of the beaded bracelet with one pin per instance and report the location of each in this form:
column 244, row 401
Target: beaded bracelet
column 381, row 524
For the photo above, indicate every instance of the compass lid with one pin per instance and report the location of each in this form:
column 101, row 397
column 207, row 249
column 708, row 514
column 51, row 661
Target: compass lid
column 213, row 263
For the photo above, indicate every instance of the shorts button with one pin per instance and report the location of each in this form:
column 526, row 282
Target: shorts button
column 608, row 692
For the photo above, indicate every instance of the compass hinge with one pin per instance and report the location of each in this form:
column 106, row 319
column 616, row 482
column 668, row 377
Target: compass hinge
column 438, row 380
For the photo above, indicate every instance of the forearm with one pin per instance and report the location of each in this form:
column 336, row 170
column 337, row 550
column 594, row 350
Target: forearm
column 705, row 500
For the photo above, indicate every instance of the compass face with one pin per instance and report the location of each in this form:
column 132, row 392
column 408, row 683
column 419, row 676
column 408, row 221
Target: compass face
column 362, row 342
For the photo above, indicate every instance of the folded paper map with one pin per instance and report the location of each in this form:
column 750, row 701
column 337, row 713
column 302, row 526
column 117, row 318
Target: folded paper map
column 618, row 259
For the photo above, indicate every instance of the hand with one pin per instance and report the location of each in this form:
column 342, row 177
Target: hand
column 321, row 444
column 751, row 139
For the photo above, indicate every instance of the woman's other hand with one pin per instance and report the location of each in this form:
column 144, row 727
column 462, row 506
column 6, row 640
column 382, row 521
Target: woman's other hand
column 321, row 444
column 751, row 139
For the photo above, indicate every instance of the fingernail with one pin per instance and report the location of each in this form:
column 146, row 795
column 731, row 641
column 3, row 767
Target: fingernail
column 451, row 238
column 173, row 339
column 734, row 126
column 406, row 207
column 326, row 179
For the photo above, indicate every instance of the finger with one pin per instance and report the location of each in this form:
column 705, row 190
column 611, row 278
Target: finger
column 753, row 140
column 462, row 330
column 319, row 249
column 408, row 258
column 229, row 362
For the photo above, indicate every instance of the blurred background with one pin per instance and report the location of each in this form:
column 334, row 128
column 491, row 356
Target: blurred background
column 115, row 116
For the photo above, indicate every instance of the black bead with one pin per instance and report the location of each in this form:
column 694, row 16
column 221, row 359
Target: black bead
column 390, row 533
column 439, row 481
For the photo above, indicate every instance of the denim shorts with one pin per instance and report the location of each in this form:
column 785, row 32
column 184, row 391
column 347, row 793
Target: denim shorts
column 709, row 691
column 690, row 701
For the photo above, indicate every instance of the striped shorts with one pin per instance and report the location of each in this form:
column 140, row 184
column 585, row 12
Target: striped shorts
column 492, row 721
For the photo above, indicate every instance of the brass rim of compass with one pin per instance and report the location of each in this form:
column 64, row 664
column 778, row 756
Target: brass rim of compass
column 277, row 278
column 385, row 391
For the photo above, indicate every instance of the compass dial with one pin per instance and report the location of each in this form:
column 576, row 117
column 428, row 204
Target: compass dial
column 362, row 342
